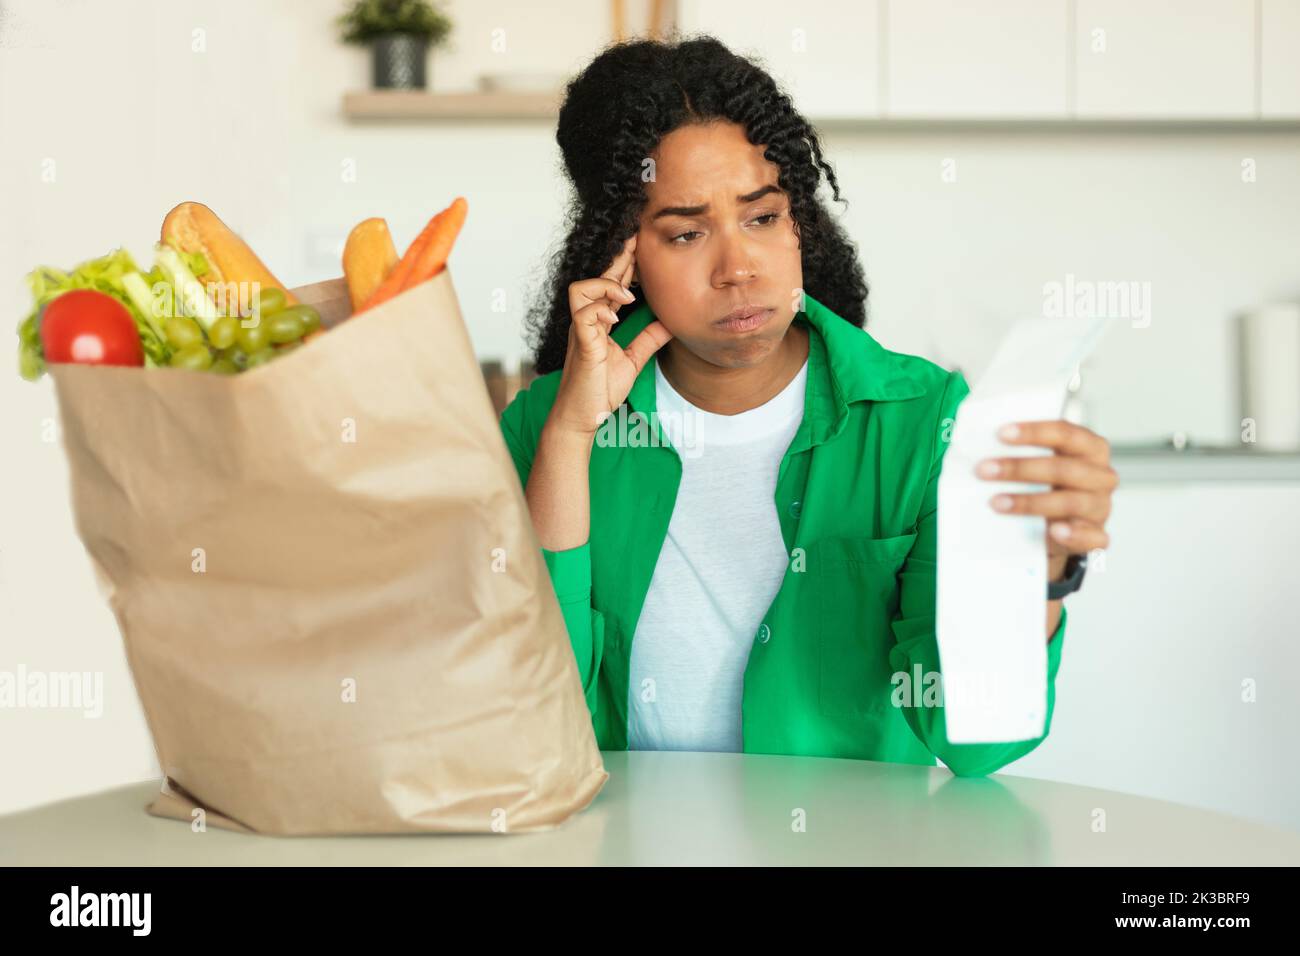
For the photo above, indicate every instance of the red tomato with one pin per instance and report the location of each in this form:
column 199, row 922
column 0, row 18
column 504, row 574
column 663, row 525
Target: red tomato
column 90, row 328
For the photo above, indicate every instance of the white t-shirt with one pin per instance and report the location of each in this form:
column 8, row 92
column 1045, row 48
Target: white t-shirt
column 720, row 568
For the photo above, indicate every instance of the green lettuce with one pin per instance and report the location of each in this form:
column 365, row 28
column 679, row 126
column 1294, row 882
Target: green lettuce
column 105, row 274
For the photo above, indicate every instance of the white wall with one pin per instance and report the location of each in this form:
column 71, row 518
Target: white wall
column 135, row 121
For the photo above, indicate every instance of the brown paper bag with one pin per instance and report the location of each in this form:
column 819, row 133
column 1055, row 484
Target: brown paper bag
column 335, row 608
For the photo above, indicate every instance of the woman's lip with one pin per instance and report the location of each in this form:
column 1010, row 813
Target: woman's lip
column 747, row 324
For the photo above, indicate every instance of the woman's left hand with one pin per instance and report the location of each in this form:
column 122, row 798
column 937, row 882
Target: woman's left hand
column 1081, row 479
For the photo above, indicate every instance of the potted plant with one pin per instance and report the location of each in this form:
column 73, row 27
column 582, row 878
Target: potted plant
column 399, row 34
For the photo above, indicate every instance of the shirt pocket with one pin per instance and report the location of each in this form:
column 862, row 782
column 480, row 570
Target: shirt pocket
column 856, row 585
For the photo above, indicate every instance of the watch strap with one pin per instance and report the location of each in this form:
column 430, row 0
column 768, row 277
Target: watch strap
column 1072, row 580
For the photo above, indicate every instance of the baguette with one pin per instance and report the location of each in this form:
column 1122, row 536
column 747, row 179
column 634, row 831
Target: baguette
column 193, row 227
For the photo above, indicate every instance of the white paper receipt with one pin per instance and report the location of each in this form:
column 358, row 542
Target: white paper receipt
column 991, row 585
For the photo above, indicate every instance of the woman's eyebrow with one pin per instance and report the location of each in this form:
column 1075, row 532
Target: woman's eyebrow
column 696, row 210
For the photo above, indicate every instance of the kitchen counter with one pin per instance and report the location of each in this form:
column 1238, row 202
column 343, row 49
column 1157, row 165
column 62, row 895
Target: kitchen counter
column 1204, row 464
column 702, row 808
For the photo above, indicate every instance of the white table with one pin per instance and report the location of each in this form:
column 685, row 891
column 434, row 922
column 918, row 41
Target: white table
column 699, row 808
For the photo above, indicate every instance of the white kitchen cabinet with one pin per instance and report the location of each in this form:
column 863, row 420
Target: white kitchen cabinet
column 953, row 58
column 1279, row 56
column 1180, row 673
column 1168, row 59
column 825, row 53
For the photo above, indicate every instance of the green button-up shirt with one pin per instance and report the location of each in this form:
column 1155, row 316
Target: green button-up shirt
column 857, row 499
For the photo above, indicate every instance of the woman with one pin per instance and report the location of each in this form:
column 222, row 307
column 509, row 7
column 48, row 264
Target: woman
column 733, row 484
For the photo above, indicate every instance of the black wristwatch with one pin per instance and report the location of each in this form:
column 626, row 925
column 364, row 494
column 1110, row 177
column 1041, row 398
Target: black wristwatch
column 1075, row 565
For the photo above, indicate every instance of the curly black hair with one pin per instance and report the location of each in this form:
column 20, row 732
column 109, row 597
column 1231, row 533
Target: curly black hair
column 614, row 114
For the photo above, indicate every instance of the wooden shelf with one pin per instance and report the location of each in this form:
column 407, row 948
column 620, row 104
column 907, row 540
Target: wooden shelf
column 423, row 105
column 1064, row 124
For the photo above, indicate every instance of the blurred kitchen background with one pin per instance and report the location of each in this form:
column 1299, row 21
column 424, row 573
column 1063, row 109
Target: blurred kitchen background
column 995, row 154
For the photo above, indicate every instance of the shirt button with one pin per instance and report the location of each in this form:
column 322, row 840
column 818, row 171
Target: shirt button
column 795, row 508
column 764, row 634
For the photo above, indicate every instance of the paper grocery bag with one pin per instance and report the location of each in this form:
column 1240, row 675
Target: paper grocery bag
column 335, row 608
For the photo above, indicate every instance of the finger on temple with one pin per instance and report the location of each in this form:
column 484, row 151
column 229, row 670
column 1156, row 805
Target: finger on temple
column 621, row 261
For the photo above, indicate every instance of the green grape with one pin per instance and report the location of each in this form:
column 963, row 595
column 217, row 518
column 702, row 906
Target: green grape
column 309, row 316
column 224, row 366
column 269, row 301
column 287, row 326
column 253, row 338
column 223, row 332
column 260, row 357
column 196, row 357
column 182, row 332
column 234, row 355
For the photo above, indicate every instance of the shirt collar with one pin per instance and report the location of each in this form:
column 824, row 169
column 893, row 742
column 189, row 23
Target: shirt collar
column 845, row 364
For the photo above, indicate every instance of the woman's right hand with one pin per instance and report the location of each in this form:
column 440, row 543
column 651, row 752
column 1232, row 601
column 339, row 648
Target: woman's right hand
column 598, row 372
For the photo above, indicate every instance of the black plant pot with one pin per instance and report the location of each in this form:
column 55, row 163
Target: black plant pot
column 399, row 60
